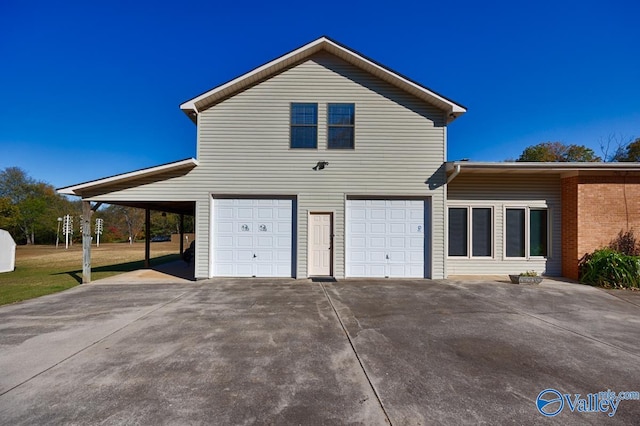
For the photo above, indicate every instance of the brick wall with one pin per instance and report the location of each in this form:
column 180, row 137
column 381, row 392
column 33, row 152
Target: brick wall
column 570, row 227
column 594, row 210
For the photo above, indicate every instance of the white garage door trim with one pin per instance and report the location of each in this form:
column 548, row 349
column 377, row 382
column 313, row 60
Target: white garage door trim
column 385, row 237
column 252, row 237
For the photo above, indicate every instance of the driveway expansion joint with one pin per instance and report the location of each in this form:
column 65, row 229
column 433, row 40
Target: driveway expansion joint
column 355, row 353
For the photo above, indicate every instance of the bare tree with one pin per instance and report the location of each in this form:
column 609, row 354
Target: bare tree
column 133, row 220
column 614, row 147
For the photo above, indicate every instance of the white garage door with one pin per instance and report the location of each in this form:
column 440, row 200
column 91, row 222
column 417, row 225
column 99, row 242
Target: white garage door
column 385, row 238
column 252, row 238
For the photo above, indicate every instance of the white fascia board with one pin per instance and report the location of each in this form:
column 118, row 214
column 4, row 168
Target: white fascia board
column 542, row 166
column 190, row 105
column 454, row 108
column 309, row 49
column 77, row 189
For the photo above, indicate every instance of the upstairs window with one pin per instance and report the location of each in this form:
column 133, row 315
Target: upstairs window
column 304, row 125
column 340, row 126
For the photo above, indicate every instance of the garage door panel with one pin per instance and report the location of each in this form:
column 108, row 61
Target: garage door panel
column 377, row 228
column 252, row 237
column 375, row 271
column 385, row 238
column 397, row 228
column 376, row 256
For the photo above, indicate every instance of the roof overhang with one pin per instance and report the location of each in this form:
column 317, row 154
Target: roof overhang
column 79, row 189
column 565, row 169
column 204, row 101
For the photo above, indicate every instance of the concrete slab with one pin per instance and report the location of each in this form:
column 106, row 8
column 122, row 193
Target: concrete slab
column 472, row 352
column 225, row 352
column 297, row 352
column 178, row 272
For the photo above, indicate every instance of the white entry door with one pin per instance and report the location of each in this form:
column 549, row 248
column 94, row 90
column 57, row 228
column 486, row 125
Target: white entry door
column 320, row 239
column 385, row 238
column 252, row 237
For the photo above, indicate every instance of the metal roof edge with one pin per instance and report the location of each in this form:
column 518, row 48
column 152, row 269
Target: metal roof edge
column 548, row 166
column 149, row 171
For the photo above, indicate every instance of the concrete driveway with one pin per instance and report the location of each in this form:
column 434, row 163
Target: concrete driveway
column 299, row 352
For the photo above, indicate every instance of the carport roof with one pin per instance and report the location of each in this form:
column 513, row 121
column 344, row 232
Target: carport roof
column 104, row 184
column 78, row 189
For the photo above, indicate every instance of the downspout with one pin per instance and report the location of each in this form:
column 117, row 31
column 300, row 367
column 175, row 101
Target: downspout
column 456, row 172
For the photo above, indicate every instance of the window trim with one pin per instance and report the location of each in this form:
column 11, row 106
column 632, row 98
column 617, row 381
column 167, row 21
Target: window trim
column 527, row 232
column 469, row 208
column 352, row 126
column 291, row 125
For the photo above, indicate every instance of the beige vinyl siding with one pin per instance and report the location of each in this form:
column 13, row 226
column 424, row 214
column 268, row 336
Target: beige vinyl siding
column 243, row 149
column 500, row 191
column 244, row 143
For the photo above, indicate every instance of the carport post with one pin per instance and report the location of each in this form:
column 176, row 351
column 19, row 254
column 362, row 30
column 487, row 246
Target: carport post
column 147, row 238
column 181, row 233
column 87, row 212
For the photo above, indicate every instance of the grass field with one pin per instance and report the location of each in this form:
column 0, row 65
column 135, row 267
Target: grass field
column 43, row 270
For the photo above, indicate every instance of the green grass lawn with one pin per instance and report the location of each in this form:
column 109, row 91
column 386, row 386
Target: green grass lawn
column 42, row 270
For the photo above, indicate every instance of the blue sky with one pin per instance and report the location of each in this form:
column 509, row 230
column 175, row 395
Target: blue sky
column 91, row 89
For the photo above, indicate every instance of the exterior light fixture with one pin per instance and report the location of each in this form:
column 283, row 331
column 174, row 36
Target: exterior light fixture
column 321, row 165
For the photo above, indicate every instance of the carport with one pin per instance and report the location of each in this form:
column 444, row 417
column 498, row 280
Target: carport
column 140, row 189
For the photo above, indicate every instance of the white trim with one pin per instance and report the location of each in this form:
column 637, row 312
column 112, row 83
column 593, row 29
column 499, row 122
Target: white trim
column 77, row 189
column 527, row 231
column 470, row 208
column 471, row 166
column 332, row 213
column 227, row 89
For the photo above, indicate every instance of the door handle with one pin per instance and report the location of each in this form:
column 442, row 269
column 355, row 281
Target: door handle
column 387, row 256
column 254, row 255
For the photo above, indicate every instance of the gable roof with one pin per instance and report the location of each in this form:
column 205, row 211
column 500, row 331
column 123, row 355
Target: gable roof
column 78, row 189
column 207, row 99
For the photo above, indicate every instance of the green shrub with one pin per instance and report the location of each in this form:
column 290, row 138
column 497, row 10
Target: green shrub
column 611, row 269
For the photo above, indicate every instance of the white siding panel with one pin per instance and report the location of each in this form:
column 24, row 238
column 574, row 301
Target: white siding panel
column 500, row 191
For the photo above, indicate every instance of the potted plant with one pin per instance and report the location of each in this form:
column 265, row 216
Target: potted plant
column 528, row 277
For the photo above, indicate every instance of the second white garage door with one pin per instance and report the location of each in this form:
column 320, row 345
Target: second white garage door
column 385, row 238
column 252, row 238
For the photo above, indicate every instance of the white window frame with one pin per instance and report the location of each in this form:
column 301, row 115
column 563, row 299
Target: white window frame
column 527, row 231
column 469, row 208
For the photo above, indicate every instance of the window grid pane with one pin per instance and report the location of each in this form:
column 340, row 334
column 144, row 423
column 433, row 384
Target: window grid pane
column 458, row 231
column 341, row 114
column 304, row 114
column 340, row 121
column 481, row 232
column 538, row 233
column 515, row 233
column 304, row 125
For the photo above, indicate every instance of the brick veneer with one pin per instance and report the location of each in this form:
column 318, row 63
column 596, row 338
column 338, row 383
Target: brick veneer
column 594, row 210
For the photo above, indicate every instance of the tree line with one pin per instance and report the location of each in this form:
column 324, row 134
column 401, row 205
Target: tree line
column 613, row 150
column 29, row 210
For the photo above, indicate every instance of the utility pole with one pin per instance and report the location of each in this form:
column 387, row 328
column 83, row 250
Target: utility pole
column 99, row 223
column 58, row 232
column 67, row 229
